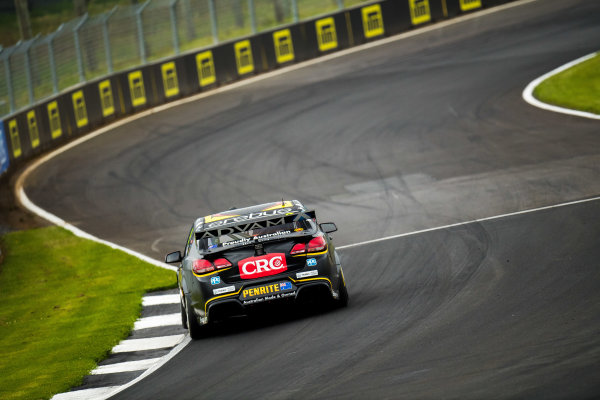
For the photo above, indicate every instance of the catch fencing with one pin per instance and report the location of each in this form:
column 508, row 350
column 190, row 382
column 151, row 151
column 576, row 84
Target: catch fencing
column 94, row 46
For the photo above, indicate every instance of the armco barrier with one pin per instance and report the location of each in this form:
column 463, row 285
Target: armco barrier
column 81, row 109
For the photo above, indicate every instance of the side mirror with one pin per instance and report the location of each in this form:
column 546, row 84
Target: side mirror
column 174, row 257
column 328, row 227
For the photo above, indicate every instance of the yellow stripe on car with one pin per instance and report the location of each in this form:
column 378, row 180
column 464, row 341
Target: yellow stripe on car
column 220, row 297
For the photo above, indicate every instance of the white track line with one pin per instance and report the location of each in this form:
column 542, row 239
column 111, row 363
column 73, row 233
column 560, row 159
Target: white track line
column 160, row 299
column 160, row 342
column 127, row 366
column 157, row 321
column 528, row 91
column 437, row 228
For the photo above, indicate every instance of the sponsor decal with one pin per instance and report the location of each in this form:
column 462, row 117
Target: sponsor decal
column 136, row 88
column 4, row 160
column 242, row 228
column 54, row 119
column 326, row 34
column 215, row 280
column 249, row 217
column 243, row 57
column 271, row 291
column 276, row 206
column 256, row 267
column 268, row 298
column 212, row 224
column 206, row 68
column 311, row 262
column 419, row 11
column 466, row 5
column 13, row 131
column 284, row 49
column 218, row 217
column 306, row 274
column 81, row 117
column 34, row 133
column 248, row 240
column 170, row 83
column 106, row 98
column 373, row 20
column 222, row 290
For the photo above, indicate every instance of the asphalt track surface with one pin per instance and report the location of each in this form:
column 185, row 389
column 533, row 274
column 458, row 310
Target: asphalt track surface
column 414, row 134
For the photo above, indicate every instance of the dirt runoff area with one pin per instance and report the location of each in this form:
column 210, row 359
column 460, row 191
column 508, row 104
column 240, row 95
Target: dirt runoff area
column 12, row 216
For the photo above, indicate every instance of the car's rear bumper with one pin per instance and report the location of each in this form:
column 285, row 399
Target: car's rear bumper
column 318, row 281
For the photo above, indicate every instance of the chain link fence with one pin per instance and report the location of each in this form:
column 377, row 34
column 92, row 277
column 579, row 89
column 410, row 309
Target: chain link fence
column 125, row 37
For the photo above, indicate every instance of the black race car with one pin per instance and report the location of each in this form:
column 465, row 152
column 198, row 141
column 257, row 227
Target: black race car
column 241, row 259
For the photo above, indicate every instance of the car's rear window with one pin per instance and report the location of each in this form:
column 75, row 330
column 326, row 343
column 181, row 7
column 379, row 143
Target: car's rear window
column 235, row 239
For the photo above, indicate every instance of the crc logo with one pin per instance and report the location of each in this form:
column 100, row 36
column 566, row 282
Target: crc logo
column 256, row 267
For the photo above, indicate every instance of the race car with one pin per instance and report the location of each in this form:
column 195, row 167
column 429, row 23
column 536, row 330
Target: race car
column 242, row 259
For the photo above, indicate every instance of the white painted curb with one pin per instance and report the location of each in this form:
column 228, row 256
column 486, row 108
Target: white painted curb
column 29, row 205
column 528, row 92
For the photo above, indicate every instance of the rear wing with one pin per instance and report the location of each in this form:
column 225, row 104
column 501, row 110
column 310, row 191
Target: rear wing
column 246, row 224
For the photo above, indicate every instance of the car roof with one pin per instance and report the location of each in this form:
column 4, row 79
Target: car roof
column 257, row 212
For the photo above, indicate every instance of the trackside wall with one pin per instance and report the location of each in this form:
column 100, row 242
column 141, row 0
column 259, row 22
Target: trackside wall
column 81, row 109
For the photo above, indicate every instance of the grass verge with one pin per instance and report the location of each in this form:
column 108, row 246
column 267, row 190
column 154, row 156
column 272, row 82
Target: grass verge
column 575, row 88
column 64, row 303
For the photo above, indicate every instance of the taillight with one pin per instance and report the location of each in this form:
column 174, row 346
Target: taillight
column 202, row 266
column 317, row 244
column 221, row 263
column 299, row 248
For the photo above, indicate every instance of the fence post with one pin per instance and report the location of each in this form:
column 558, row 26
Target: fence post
column 140, row 27
column 7, row 53
column 28, row 69
column 78, row 47
column 252, row 15
column 295, row 10
column 174, row 25
column 109, row 63
column 51, row 56
column 213, row 21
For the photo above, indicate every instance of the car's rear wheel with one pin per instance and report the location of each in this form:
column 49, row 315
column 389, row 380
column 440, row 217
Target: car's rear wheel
column 183, row 313
column 196, row 330
column 343, row 291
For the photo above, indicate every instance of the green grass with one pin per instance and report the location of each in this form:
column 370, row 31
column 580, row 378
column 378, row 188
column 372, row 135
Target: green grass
column 46, row 18
column 577, row 88
column 64, row 303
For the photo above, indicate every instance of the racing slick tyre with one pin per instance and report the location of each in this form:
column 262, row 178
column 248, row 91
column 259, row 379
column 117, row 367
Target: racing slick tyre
column 196, row 330
column 343, row 300
column 183, row 314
